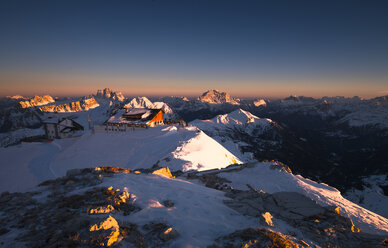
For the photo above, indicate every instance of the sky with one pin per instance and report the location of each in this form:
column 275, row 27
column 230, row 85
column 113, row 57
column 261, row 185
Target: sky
column 246, row 48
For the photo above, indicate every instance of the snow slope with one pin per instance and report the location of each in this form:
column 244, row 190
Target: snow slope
column 372, row 195
column 25, row 165
column 262, row 177
column 13, row 137
column 199, row 213
column 223, row 128
column 178, row 148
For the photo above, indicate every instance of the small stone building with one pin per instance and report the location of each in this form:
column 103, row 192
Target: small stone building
column 57, row 128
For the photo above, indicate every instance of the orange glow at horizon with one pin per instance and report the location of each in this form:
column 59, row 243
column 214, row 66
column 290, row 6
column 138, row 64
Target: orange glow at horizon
column 81, row 85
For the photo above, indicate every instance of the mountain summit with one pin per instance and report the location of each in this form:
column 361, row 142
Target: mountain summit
column 107, row 93
column 215, row 96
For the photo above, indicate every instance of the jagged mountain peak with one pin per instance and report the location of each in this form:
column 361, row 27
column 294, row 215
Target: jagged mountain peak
column 74, row 106
column 238, row 120
column 37, row 101
column 217, row 97
column 107, row 93
column 260, row 102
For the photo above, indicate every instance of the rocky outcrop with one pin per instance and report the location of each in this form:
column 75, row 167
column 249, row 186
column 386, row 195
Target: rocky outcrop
column 74, row 211
column 259, row 102
column 37, row 101
column 323, row 226
column 217, row 97
column 107, row 93
column 259, row 237
column 76, row 106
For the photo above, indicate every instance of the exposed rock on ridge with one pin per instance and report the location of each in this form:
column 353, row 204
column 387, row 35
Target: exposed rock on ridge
column 215, row 96
column 107, row 93
column 37, row 101
column 77, row 106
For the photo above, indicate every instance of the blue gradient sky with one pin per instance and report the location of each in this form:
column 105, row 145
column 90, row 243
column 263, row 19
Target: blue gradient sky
column 248, row 48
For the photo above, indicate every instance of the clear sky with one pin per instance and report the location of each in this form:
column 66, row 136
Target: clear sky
column 257, row 48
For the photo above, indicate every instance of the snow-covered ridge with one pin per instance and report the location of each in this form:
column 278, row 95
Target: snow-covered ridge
column 199, row 153
column 144, row 102
column 36, row 101
column 372, row 195
column 240, row 123
column 271, row 178
column 139, row 102
column 176, row 147
column 240, row 119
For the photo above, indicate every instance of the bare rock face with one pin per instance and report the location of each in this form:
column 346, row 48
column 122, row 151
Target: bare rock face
column 266, row 218
column 76, row 106
column 216, row 97
column 105, row 233
column 168, row 234
column 37, row 101
column 259, row 237
column 107, row 93
column 165, row 171
column 259, row 102
column 118, row 96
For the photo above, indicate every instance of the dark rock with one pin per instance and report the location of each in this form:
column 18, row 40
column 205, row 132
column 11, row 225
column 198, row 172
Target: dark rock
column 168, row 203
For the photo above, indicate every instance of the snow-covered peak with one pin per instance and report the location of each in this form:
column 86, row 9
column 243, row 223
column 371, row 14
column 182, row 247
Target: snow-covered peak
column 217, row 97
column 238, row 118
column 144, row 102
column 139, row 102
column 164, row 106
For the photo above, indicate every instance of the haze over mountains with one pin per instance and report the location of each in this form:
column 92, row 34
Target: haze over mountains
column 238, row 164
